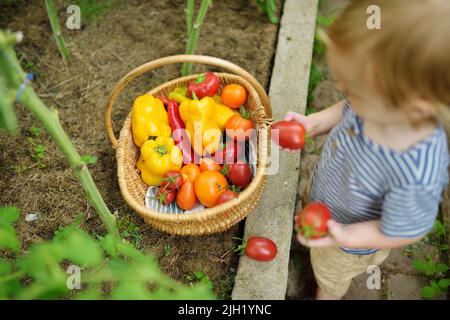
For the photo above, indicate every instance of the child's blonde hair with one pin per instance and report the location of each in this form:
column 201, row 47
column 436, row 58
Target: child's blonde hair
column 410, row 54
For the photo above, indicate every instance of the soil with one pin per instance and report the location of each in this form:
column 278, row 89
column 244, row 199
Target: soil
column 104, row 50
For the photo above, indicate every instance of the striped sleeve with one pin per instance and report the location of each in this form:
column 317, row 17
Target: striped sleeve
column 410, row 211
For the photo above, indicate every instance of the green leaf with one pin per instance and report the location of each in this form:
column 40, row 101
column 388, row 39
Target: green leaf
column 444, row 283
column 8, row 238
column 199, row 275
column 109, row 243
column 441, row 268
column 88, row 159
column 428, row 292
column 424, row 266
column 130, row 290
column 9, row 214
column 5, row 266
column 82, row 249
column 435, row 285
column 166, row 249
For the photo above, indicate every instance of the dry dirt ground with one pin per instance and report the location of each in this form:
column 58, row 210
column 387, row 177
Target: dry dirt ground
column 127, row 35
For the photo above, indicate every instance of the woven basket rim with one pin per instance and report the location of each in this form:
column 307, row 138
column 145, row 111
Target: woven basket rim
column 207, row 213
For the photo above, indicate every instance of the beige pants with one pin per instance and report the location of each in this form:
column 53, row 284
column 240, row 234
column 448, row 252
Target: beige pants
column 333, row 268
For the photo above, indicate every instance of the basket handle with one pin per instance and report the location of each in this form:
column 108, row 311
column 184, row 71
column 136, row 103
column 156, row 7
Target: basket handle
column 212, row 61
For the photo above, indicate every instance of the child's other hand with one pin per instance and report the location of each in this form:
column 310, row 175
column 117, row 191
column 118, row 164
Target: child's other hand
column 336, row 236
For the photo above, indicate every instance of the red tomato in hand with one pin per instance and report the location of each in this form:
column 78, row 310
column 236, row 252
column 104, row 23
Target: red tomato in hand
column 240, row 174
column 312, row 221
column 227, row 196
column 261, row 249
column 292, row 134
column 172, row 180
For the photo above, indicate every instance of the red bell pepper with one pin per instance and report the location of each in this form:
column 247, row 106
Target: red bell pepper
column 179, row 134
column 205, row 85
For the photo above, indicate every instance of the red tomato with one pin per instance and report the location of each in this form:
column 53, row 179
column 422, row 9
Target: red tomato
column 229, row 152
column 207, row 164
column 234, row 95
column 311, row 222
column 239, row 128
column 240, row 174
column 165, row 196
column 186, row 198
column 227, row 196
column 261, row 249
column 172, row 180
column 209, row 186
column 292, row 135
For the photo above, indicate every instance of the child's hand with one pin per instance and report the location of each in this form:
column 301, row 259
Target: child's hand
column 304, row 120
column 337, row 235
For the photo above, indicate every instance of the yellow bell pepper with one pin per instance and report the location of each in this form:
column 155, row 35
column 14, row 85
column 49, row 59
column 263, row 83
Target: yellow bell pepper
column 157, row 158
column 148, row 119
column 205, row 121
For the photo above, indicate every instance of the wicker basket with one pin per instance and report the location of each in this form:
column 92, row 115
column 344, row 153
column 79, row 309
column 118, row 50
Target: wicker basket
column 133, row 189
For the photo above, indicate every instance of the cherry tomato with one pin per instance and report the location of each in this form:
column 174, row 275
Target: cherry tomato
column 207, row 164
column 165, row 196
column 312, row 220
column 234, row 95
column 209, row 186
column 292, row 135
column 192, row 171
column 172, row 180
column 238, row 128
column 229, row 152
column 260, row 248
column 227, row 196
column 186, row 198
column 240, row 174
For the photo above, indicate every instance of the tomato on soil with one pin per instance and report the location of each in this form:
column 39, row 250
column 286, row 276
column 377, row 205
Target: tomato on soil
column 258, row 248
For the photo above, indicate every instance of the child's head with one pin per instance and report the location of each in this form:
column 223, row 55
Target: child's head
column 405, row 65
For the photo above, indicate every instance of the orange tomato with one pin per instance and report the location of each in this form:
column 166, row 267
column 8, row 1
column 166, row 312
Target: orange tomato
column 237, row 128
column 234, row 95
column 192, row 171
column 209, row 186
column 209, row 164
column 186, row 198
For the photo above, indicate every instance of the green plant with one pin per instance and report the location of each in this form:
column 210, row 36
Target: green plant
column 54, row 23
column 193, row 29
column 92, row 10
column 435, row 271
column 200, row 277
column 316, row 76
column 42, row 272
column 38, row 273
column 270, row 8
column 13, row 86
column 130, row 231
column 166, row 249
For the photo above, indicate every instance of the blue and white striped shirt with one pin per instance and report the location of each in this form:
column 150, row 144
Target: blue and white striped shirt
column 361, row 180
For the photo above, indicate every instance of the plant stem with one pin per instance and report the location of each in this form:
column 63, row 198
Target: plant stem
column 54, row 23
column 189, row 16
column 194, row 31
column 50, row 121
